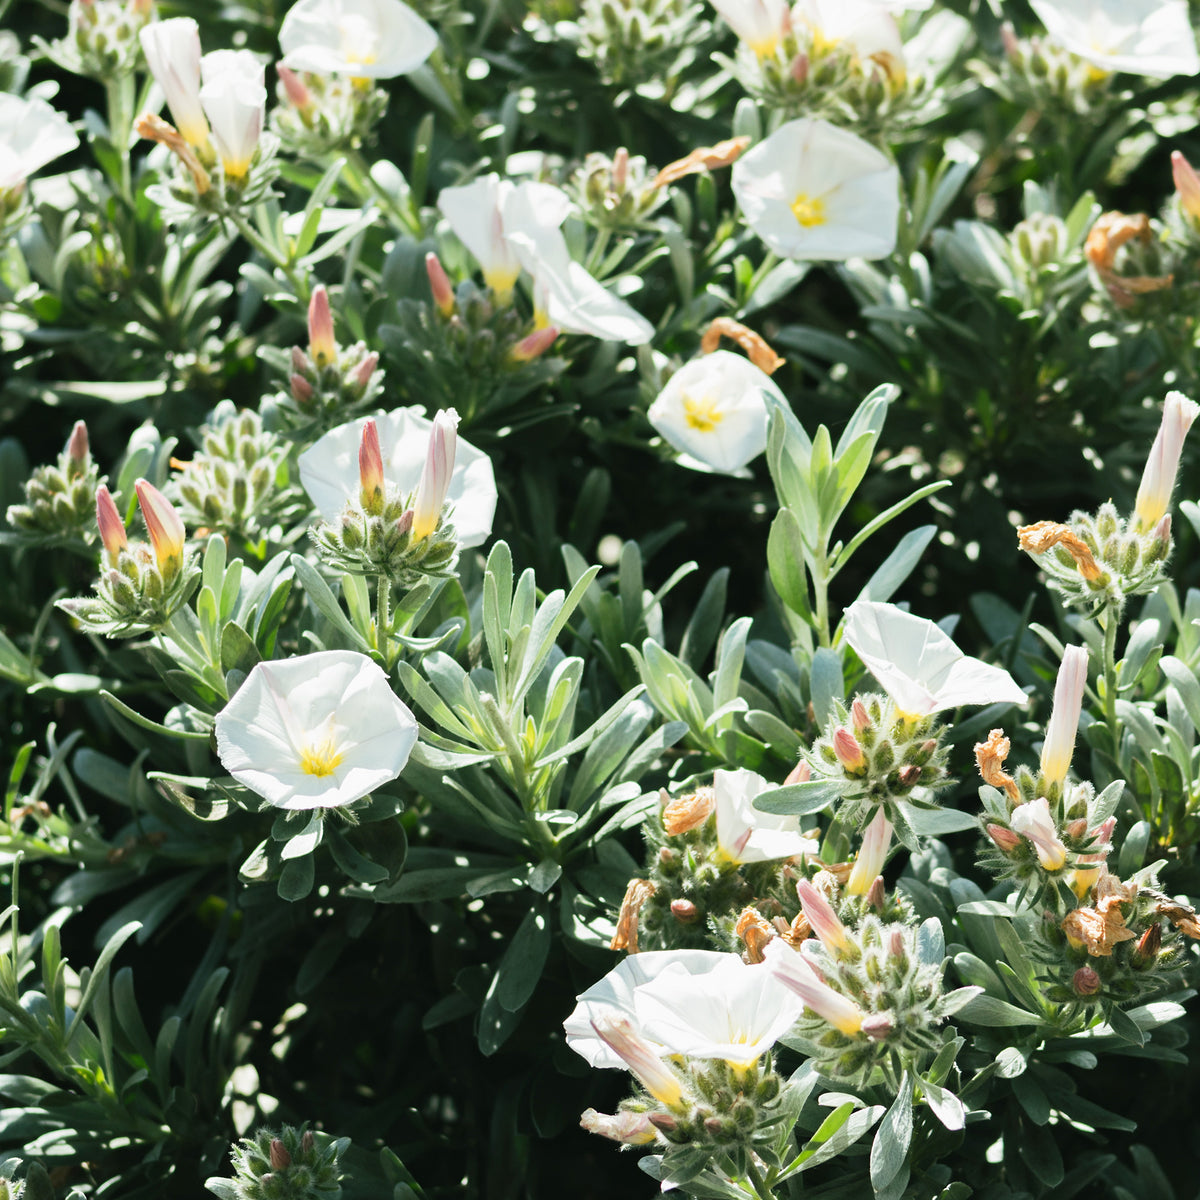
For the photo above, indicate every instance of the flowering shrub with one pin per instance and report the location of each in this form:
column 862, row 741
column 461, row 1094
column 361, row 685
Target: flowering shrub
column 515, row 518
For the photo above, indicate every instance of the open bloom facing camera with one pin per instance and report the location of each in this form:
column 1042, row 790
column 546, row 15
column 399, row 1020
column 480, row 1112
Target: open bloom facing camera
column 365, row 39
column 318, row 731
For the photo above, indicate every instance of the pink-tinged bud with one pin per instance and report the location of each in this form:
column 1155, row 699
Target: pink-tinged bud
column 877, row 1026
column 404, row 522
column 795, row 972
column 534, row 346
column 869, row 864
column 280, row 1158
column 365, row 369
column 306, row 1142
column 859, row 716
column 322, row 346
column 165, row 527
column 112, row 528
column 1158, row 478
column 300, row 360
column 896, row 943
column 1086, row 982
column 641, row 1058
column 370, row 468
column 800, row 773
column 620, row 169
column 77, row 444
column 799, row 68
column 1102, row 834
column 824, row 921
column 1059, row 745
column 302, row 391
column 1033, row 821
column 435, row 478
column 1076, row 829
column 666, row 856
column 1008, row 38
column 909, row 775
column 1005, row 839
column 685, row 912
column 439, row 284
column 629, row 1128
column 849, row 752
column 663, row 1121
column 297, row 94
column 877, row 894
column 1187, row 184
column 1148, row 946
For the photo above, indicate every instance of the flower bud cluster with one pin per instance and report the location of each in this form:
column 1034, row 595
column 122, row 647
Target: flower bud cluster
column 617, row 192
column 872, row 1000
column 642, row 43
column 102, row 37
column 1039, row 241
column 141, row 584
column 879, row 755
column 60, row 498
column 469, row 349
column 234, row 482
column 1122, row 946
column 327, row 384
column 286, row 1165
column 321, row 115
column 1099, row 559
column 1039, row 73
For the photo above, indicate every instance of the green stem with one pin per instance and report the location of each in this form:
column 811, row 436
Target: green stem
column 598, row 250
column 364, row 184
column 269, row 252
column 383, row 619
column 1108, row 622
column 820, row 575
column 761, row 1188
column 120, row 122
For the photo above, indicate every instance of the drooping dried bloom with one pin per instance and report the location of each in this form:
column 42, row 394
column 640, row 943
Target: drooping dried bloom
column 754, row 344
column 1108, row 235
column 686, row 812
column 1098, row 930
column 703, row 158
column 629, row 1128
column 636, row 894
column 755, row 931
column 990, row 756
column 1045, row 535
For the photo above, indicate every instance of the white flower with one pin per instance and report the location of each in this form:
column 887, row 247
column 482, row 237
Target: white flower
column 172, row 50
column 759, row 23
column 869, row 863
column 868, row 30
column 318, row 731
column 616, row 994
column 1162, row 465
column 1033, row 821
column 513, row 226
column 918, row 666
column 813, row 191
column 1059, row 745
column 366, row 39
column 714, row 411
column 1140, row 37
column 746, row 835
column 329, row 471
column 234, row 100
column 31, row 135
column 436, row 474
column 734, row 1012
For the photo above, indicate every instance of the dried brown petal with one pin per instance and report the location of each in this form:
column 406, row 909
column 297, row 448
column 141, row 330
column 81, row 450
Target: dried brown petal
column 755, row 932
column 1044, row 535
column 703, row 158
column 636, row 894
column 686, row 812
column 754, row 344
column 990, row 756
column 153, row 127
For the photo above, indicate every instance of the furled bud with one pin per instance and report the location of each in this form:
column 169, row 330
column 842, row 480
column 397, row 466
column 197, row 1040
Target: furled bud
column 849, row 752
column 302, row 390
column 280, row 1158
column 877, row 1026
column 1059, row 745
column 1158, row 478
column 685, row 912
column 1033, row 821
column 867, row 866
column 435, row 478
column 800, row 773
column 164, row 526
column 1187, row 185
column 439, row 284
column 293, row 86
column 641, row 1058
column 824, row 921
column 370, row 469
column 365, row 369
column 1148, row 946
column 859, row 715
column 794, row 971
column 322, row 346
column 1086, row 982
column 77, row 445
column 1005, row 839
column 535, row 345
column 112, row 528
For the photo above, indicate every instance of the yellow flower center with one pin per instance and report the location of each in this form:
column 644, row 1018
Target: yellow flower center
column 808, row 210
column 703, row 414
column 766, row 47
column 321, row 758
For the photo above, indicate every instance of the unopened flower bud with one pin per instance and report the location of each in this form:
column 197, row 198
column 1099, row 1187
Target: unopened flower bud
column 300, row 362
column 620, row 169
column 1008, row 38
column 800, row 773
column 77, row 444
column 404, row 522
column 1077, row 828
column 322, row 346
column 877, row 1026
column 1148, row 946
column 365, row 369
column 663, row 1121
column 859, row 715
column 849, row 752
column 821, row 916
column 685, row 912
column 280, row 1158
column 293, row 86
column 439, row 284
column 370, row 469
column 535, row 345
column 165, row 527
column 910, row 775
column 306, row 1143
column 877, row 895
column 799, row 68
column 1187, row 184
column 1162, row 465
column 896, row 943
column 112, row 528
column 1005, row 839
column 435, row 477
column 1086, row 982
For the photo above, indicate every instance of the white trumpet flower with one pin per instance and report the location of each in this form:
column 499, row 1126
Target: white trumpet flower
column 814, row 191
column 1162, row 465
column 365, row 39
column 172, row 50
column 32, row 133
column 1063, row 725
column 318, row 731
column 918, row 666
column 235, row 100
column 713, row 409
column 746, row 835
